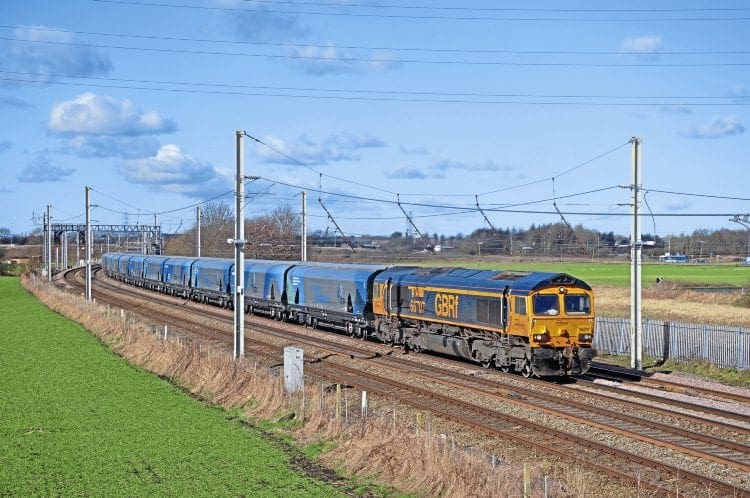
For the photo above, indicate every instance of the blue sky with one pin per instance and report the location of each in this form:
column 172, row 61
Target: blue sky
column 524, row 107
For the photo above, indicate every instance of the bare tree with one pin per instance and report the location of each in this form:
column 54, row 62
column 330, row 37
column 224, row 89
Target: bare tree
column 217, row 225
column 276, row 235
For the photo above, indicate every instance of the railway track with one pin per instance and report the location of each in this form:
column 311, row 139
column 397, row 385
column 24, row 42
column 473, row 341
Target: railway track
column 622, row 465
column 631, row 377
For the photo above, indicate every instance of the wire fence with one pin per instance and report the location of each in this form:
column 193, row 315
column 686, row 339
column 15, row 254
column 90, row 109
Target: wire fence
column 727, row 347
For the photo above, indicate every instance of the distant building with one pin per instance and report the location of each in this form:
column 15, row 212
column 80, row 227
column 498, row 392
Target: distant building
column 674, row 258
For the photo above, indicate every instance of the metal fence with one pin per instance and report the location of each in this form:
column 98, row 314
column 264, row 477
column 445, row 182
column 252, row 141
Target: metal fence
column 727, row 347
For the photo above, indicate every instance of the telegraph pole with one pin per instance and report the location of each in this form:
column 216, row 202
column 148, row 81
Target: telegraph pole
column 239, row 254
column 304, row 226
column 636, row 244
column 89, row 241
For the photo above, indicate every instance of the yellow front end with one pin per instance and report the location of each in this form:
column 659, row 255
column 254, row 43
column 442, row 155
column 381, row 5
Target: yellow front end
column 561, row 317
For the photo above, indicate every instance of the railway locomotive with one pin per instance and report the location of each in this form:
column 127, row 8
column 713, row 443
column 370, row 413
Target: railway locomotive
column 534, row 323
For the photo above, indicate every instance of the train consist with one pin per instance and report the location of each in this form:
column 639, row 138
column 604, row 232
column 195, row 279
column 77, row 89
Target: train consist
column 535, row 323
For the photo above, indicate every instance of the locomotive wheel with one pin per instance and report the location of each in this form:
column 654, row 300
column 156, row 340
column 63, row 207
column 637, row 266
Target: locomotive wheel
column 350, row 328
column 526, row 371
column 506, row 368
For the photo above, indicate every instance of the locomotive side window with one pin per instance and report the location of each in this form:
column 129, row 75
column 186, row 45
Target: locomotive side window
column 577, row 304
column 520, row 305
column 546, row 304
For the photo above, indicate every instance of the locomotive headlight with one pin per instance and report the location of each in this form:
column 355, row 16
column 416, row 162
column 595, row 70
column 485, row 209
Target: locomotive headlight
column 585, row 337
column 541, row 337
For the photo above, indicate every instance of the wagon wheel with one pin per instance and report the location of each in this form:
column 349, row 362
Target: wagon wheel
column 349, row 329
column 314, row 323
column 506, row 368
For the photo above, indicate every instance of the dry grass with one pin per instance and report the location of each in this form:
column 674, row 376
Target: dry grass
column 671, row 303
column 376, row 446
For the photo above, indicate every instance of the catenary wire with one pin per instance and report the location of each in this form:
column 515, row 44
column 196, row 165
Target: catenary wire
column 565, row 172
column 485, row 9
column 380, row 99
column 348, row 59
column 312, row 44
column 420, row 17
column 376, row 92
column 495, row 209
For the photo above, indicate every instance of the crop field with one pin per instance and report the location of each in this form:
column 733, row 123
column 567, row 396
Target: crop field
column 618, row 274
column 77, row 420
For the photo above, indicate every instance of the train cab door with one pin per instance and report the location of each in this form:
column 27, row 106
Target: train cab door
column 380, row 298
column 519, row 318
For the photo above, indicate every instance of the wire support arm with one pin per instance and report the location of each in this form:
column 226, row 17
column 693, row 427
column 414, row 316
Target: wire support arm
column 338, row 228
column 426, row 239
column 494, row 230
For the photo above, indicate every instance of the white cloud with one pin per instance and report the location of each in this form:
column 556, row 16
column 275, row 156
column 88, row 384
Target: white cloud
column 170, row 166
column 14, row 102
column 323, row 60
column 413, row 173
column 642, row 45
column 417, row 151
column 127, row 147
column 446, row 164
column 171, row 170
column 720, row 126
column 40, row 170
column 679, row 205
column 342, row 147
column 91, row 114
column 675, row 109
column 257, row 23
column 438, row 168
column 38, row 50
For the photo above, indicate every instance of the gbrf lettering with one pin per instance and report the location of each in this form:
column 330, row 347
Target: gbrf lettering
column 446, row 305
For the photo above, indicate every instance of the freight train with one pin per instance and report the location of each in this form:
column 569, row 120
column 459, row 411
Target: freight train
column 535, row 323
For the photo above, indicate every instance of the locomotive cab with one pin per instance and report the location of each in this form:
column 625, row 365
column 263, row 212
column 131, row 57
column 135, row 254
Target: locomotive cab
column 559, row 326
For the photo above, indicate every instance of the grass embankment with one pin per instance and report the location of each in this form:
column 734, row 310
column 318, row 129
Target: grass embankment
column 377, row 448
column 78, row 420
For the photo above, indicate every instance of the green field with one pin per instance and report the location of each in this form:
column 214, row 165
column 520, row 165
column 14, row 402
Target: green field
column 618, row 274
column 75, row 419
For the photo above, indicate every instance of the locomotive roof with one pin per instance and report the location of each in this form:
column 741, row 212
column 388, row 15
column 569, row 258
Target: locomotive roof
column 468, row 278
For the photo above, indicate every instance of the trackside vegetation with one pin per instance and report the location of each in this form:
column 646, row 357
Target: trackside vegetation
column 76, row 419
